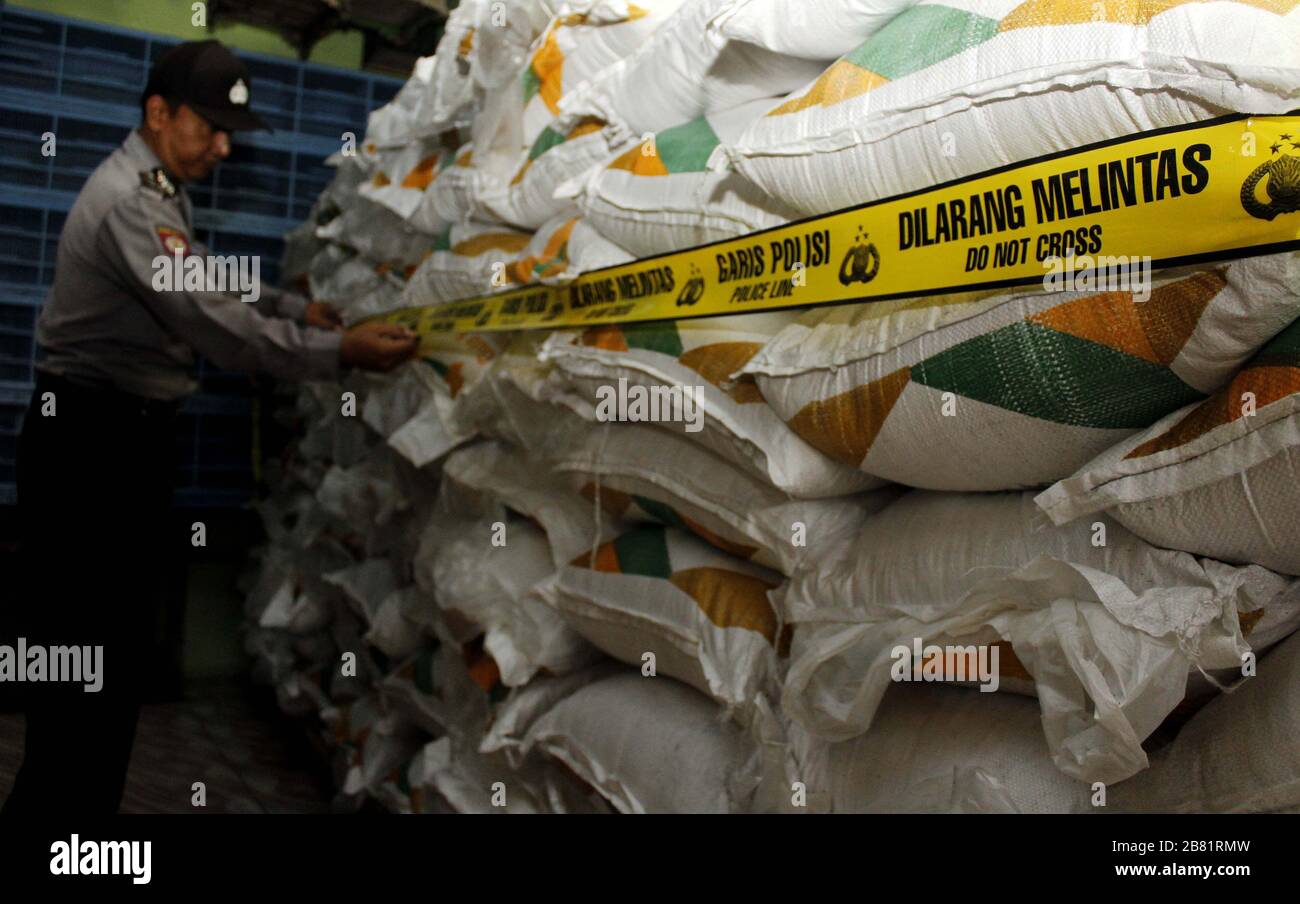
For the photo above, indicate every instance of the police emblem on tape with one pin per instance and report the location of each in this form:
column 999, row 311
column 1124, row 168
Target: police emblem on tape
column 861, row 261
column 692, row 289
column 1281, row 178
column 174, row 242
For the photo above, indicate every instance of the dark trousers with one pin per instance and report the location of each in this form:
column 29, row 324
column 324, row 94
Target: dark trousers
column 94, row 492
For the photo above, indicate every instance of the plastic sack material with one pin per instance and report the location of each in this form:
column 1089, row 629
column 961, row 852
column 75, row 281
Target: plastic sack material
column 1005, row 389
column 659, row 195
column 729, row 418
column 705, row 616
column 1105, row 626
column 627, row 737
column 951, row 89
column 1217, row 478
column 813, row 29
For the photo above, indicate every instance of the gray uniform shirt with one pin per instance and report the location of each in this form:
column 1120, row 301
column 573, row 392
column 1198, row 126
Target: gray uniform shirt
column 104, row 322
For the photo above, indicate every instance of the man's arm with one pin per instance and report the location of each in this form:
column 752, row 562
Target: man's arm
column 228, row 331
column 300, row 309
column 273, row 301
column 283, row 304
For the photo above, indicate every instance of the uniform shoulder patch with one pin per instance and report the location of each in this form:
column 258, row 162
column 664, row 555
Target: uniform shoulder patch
column 173, row 241
column 158, row 180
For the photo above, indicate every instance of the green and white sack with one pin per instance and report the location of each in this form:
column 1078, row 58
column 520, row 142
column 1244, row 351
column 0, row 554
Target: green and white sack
column 531, row 197
column 660, row 195
column 468, row 261
column 1010, row 389
column 639, row 473
column 1216, row 478
column 732, row 419
column 950, row 88
column 585, row 38
column 505, row 33
column 703, row 615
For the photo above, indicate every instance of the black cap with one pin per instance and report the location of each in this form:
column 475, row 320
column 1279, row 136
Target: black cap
column 210, row 80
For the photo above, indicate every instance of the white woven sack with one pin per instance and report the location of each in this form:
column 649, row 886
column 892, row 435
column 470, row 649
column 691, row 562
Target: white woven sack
column 1107, row 632
column 708, row 496
column 530, row 197
column 1217, row 478
column 1009, row 389
column 660, row 195
column 705, row 616
column 561, row 249
column 449, row 101
column 470, row 262
column 683, row 72
column 401, row 175
column 649, row 745
column 734, row 421
column 394, row 124
column 950, row 88
column 1237, row 755
column 931, row 749
column 813, row 29
column 525, row 485
column 493, row 587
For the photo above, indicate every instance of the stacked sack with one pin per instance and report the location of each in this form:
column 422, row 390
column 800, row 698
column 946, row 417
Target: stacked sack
column 989, row 552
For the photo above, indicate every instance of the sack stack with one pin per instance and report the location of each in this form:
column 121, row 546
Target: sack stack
column 501, row 589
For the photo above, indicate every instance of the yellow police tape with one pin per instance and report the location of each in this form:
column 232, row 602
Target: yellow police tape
column 1225, row 188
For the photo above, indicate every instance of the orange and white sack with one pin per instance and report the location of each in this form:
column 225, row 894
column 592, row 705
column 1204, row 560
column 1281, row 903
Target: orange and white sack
column 1002, row 389
column 685, row 71
column 662, row 598
column 1216, row 478
column 660, row 195
column 950, row 88
column 639, row 473
column 731, row 418
column 560, row 250
column 468, row 261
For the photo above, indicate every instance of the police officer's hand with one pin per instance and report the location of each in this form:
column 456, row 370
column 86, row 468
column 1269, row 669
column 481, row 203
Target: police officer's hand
column 376, row 345
column 322, row 314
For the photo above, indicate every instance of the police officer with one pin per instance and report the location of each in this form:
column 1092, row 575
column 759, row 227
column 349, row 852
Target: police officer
column 95, row 456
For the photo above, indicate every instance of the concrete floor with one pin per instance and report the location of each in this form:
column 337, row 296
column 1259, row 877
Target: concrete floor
column 226, row 734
